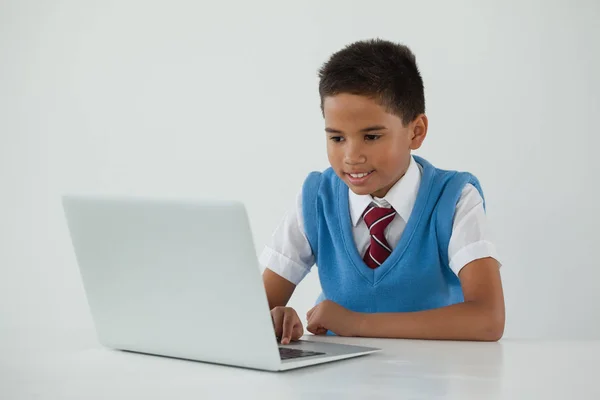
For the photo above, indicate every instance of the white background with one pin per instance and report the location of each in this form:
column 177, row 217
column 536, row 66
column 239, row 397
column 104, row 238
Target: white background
column 216, row 99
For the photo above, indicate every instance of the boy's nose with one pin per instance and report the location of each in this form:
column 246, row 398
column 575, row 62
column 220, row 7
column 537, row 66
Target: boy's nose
column 354, row 155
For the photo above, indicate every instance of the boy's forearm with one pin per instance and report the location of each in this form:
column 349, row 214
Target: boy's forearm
column 278, row 289
column 463, row 321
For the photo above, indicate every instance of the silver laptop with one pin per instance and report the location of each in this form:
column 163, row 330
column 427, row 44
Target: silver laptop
column 181, row 279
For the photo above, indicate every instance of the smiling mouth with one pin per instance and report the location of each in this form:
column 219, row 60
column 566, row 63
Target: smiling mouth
column 360, row 174
column 358, row 178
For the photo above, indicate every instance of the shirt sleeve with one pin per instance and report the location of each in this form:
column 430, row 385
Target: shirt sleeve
column 288, row 253
column 471, row 237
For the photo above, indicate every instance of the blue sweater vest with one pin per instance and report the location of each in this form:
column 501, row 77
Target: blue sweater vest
column 416, row 276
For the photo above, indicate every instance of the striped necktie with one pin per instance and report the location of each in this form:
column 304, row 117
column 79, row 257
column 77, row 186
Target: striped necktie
column 377, row 219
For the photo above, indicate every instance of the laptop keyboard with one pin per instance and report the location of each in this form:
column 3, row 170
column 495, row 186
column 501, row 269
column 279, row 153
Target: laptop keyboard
column 286, row 353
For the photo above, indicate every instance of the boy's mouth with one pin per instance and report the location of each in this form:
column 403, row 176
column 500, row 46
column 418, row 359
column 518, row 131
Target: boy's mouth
column 358, row 178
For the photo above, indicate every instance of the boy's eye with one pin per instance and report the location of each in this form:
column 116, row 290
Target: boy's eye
column 336, row 138
column 372, row 137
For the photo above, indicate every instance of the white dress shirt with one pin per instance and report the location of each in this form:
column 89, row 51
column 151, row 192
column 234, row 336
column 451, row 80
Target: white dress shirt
column 289, row 254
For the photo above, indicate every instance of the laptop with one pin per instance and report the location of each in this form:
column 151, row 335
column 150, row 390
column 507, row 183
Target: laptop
column 180, row 278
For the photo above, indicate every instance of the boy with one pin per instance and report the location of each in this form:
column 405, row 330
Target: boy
column 402, row 247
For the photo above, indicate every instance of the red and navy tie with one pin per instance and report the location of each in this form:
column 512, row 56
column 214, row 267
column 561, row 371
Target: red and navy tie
column 377, row 219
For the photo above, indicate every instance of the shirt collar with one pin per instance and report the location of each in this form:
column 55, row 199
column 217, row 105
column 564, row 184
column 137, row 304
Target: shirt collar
column 402, row 196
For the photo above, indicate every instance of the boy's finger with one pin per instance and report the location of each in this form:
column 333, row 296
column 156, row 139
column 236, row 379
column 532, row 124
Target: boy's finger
column 288, row 325
column 277, row 323
column 312, row 328
column 310, row 312
column 316, row 329
column 298, row 331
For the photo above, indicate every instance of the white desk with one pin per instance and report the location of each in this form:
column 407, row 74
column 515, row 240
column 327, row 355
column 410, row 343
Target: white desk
column 65, row 366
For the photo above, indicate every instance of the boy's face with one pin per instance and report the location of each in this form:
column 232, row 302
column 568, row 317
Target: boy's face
column 368, row 147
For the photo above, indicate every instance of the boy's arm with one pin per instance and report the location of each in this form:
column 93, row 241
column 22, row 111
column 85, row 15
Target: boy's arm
column 279, row 290
column 480, row 317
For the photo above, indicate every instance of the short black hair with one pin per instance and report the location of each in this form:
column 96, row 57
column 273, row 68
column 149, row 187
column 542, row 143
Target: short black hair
column 380, row 69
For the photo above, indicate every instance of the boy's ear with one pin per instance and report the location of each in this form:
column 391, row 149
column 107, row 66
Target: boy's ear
column 418, row 131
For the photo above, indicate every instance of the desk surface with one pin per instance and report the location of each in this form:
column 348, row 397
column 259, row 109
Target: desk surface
column 66, row 367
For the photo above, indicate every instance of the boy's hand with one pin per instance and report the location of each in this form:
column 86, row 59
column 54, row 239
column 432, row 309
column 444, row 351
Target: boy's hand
column 287, row 324
column 328, row 315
